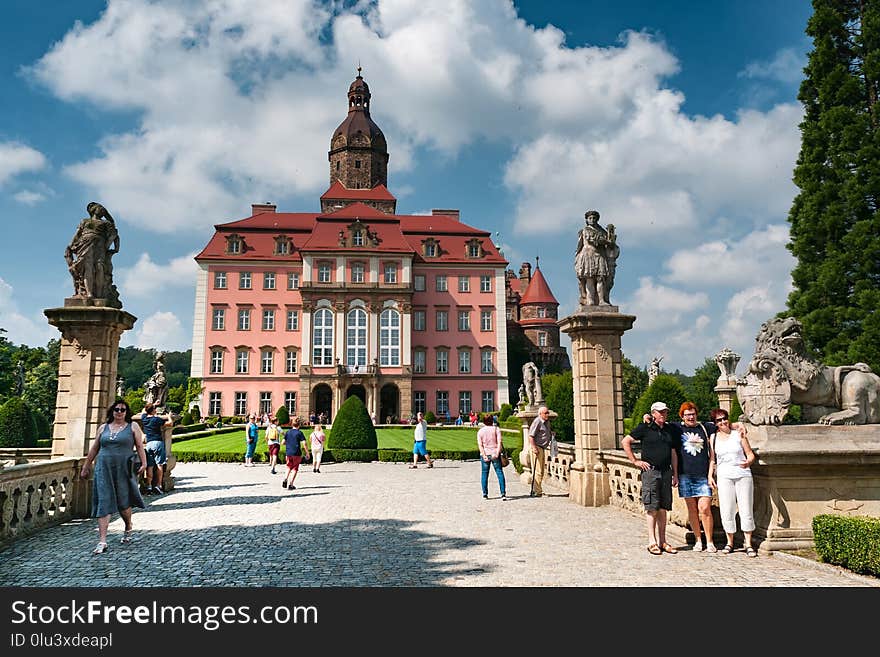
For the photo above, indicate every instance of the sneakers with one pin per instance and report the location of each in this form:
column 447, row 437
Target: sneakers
column 100, row 549
column 413, row 467
column 284, row 484
column 504, row 498
column 431, row 464
column 291, row 487
column 318, row 470
column 485, row 497
column 272, row 471
column 156, row 490
column 711, row 548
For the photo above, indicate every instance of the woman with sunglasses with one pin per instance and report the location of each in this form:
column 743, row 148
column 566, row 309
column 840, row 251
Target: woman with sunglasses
column 115, row 487
column 732, row 466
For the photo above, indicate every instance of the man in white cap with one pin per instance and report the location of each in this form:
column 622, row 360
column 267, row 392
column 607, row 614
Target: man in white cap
column 659, row 466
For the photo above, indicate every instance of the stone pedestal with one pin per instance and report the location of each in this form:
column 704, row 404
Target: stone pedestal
column 527, row 415
column 806, row 470
column 86, row 371
column 726, row 391
column 597, row 381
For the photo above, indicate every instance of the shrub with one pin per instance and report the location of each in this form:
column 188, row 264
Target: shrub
column 352, row 428
column 430, row 418
column 186, row 418
column 195, row 413
column 17, row 426
column 44, row 429
column 282, row 417
column 850, row 542
column 506, row 411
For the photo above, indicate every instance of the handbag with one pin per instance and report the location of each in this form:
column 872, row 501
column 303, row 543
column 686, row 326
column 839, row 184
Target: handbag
column 134, row 464
column 504, row 460
column 554, row 447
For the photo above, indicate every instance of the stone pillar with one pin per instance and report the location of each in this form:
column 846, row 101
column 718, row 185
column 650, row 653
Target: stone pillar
column 725, row 387
column 86, row 371
column 597, row 381
column 527, row 415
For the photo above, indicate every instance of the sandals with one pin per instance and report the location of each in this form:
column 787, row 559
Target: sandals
column 668, row 548
column 126, row 536
column 101, row 548
column 653, row 548
column 727, row 549
column 750, row 552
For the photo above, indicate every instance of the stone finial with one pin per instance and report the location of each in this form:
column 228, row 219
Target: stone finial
column 727, row 362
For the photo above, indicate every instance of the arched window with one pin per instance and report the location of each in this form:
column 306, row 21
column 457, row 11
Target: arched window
column 322, row 338
column 389, row 338
column 356, row 338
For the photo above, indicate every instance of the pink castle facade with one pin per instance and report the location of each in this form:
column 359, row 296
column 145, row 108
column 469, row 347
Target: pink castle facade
column 303, row 310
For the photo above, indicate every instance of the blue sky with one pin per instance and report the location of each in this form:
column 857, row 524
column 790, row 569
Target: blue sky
column 677, row 120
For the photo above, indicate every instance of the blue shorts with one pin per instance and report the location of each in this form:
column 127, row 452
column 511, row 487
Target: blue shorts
column 155, row 450
column 693, row 486
column 420, row 447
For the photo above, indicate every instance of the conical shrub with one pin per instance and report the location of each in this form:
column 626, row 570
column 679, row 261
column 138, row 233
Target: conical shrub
column 352, row 427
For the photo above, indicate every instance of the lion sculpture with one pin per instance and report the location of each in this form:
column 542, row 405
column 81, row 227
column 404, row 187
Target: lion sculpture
column 781, row 373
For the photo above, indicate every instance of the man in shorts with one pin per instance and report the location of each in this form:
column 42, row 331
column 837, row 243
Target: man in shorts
column 659, row 465
column 294, row 449
column 154, row 426
column 420, row 442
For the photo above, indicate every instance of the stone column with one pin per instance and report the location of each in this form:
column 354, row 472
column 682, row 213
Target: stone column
column 86, row 371
column 725, row 387
column 597, row 381
column 527, row 415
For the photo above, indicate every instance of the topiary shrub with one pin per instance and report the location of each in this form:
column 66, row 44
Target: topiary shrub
column 352, row 427
column 17, row 426
column 282, row 417
column 506, row 411
column 665, row 388
column 196, row 413
column 430, row 418
column 852, row 542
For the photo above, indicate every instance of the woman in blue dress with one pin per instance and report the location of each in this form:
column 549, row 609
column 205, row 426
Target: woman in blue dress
column 115, row 487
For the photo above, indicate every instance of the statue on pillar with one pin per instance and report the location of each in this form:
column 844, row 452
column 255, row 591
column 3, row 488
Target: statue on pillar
column 120, row 387
column 727, row 362
column 595, row 261
column 532, row 383
column 89, row 256
column 156, row 387
column 654, row 369
column 19, row 378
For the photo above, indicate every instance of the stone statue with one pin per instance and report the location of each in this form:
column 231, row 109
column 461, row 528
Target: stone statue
column 532, row 383
column 727, row 362
column 120, row 387
column 89, row 256
column 781, row 373
column 595, row 261
column 522, row 396
column 654, row 369
column 156, row 388
column 19, row 378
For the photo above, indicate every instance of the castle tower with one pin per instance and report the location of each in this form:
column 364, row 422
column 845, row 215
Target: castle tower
column 538, row 312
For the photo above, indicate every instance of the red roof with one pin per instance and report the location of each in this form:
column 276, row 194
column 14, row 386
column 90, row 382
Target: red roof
column 340, row 191
column 538, row 291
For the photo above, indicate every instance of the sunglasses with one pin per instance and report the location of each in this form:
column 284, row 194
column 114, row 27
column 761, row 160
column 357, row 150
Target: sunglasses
column 120, row 409
column 719, row 420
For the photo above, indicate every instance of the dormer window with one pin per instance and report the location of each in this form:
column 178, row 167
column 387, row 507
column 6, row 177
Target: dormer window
column 357, row 238
column 430, row 248
column 359, row 234
column 474, row 249
column 234, row 244
column 283, row 245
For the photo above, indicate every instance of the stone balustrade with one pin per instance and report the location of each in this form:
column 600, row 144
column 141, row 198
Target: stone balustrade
column 557, row 468
column 40, row 494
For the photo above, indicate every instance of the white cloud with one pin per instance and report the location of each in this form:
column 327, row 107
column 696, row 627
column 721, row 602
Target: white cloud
column 21, row 329
column 28, row 197
column 786, row 66
column 147, row 278
column 17, row 158
column 660, row 306
column 161, row 331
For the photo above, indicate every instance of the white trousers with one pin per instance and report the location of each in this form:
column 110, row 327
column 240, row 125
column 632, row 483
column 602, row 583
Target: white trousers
column 733, row 493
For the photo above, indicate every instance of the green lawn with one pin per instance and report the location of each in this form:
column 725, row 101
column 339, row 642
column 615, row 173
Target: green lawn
column 464, row 438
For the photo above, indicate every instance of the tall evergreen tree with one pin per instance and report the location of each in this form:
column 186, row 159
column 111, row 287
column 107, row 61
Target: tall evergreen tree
column 835, row 227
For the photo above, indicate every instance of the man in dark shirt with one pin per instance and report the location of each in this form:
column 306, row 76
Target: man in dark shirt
column 154, row 437
column 294, row 449
column 659, row 465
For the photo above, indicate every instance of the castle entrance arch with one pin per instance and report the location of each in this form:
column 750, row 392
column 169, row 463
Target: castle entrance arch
column 357, row 391
column 389, row 403
column 322, row 400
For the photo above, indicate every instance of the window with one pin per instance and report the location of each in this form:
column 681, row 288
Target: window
column 233, row 245
column 267, row 361
column 269, row 280
column 266, row 403
column 473, row 250
column 464, row 401
column 216, row 361
column 240, row 403
column 542, row 312
column 214, row 406
column 293, row 281
column 218, row 319
column 357, row 272
column 442, row 361
column 542, row 339
column 509, row 314
column 389, row 338
column 464, row 283
column 290, row 402
column 419, row 401
column 357, row 238
column 292, row 323
column 244, row 319
column 390, row 272
column 219, row 280
column 282, row 246
column 419, row 282
column 440, row 283
column 464, row 361
column 356, row 338
column 268, row 320
column 290, row 361
column 324, row 273
column 442, row 320
column 485, row 283
column 419, row 361
column 430, row 249
column 418, row 320
column 241, row 361
column 357, row 164
column 488, row 401
column 486, row 366
column 464, row 320
column 244, row 280
column 485, row 320
column 322, row 338
column 442, row 402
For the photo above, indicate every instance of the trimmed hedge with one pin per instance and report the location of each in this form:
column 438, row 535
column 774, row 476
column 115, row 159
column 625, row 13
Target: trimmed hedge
column 17, row 425
column 353, row 429
column 851, row 542
column 189, row 428
column 202, row 434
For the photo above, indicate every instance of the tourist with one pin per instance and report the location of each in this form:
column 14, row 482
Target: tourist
column 473, row 418
column 540, row 434
column 252, row 434
column 420, row 442
column 732, row 467
column 115, row 486
column 294, row 451
column 318, row 440
column 659, row 466
column 695, row 481
column 459, row 421
column 273, row 442
column 489, row 444
column 154, row 426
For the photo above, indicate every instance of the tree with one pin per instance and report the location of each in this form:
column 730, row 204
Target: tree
column 282, row 417
column 559, row 397
column 835, row 226
column 517, row 356
column 635, row 380
column 665, row 388
column 17, row 426
column 701, row 387
column 352, row 427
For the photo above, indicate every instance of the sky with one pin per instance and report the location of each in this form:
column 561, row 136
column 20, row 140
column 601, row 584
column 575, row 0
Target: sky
column 676, row 120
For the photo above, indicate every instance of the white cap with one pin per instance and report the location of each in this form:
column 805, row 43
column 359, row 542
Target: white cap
column 659, row 406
